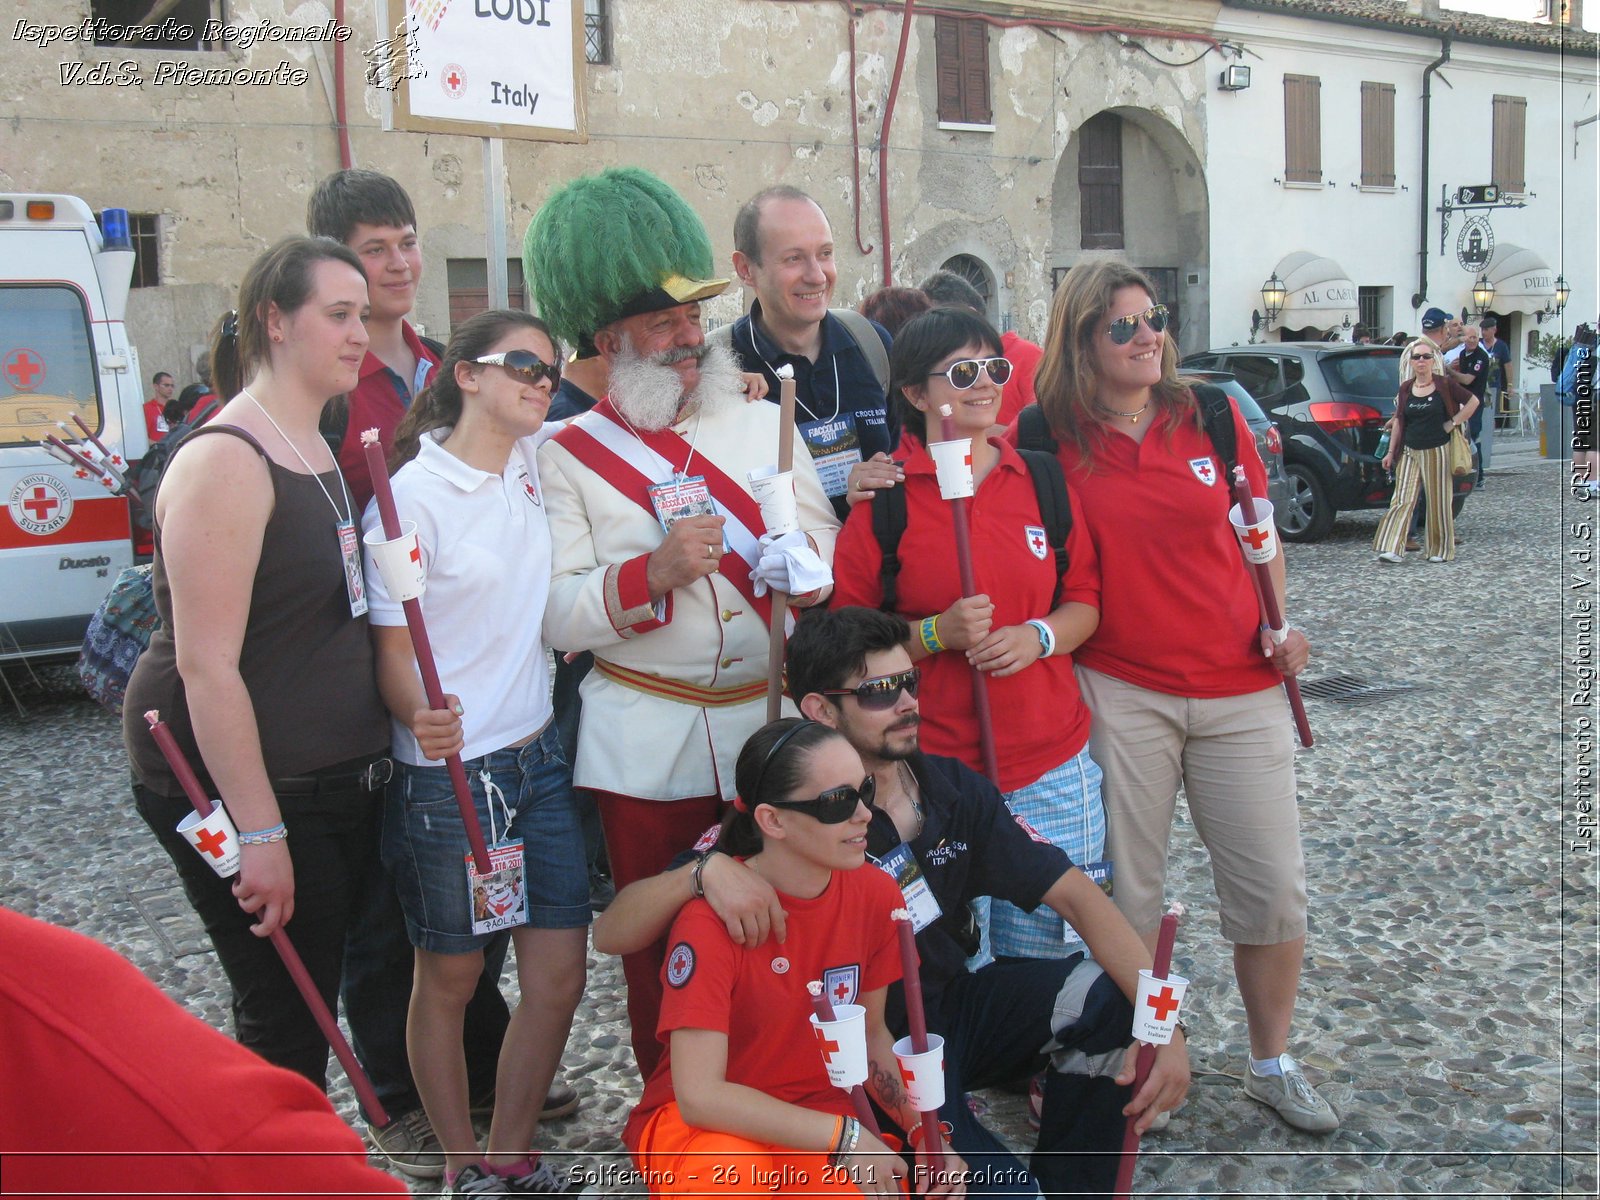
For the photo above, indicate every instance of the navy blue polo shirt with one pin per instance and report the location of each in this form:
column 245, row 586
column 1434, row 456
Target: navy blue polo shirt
column 970, row 846
column 569, row 401
column 841, row 381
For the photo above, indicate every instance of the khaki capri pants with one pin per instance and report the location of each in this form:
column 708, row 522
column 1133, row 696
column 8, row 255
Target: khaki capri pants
column 1234, row 757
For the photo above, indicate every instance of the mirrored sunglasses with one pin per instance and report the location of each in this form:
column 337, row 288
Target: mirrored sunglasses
column 525, row 363
column 836, row 805
column 875, row 695
column 1123, row 329
column 963, row 373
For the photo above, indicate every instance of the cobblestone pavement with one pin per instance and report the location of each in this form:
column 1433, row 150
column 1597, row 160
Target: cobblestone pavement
column 1448, row 1003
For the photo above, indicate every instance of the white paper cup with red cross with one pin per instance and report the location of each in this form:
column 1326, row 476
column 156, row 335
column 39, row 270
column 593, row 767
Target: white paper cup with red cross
column 1155, row 1012
column 923, row 1074
column 214, row 837
column 774, row 492
column 843, row 1043
column 1259, row 541
column 952, row 463
column 399, row 561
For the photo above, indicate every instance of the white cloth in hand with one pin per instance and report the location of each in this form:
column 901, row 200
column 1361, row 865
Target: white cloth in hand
column 789, row 564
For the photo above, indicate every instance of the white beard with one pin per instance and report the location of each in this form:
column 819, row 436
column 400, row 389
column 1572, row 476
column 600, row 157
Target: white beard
column 649, row 393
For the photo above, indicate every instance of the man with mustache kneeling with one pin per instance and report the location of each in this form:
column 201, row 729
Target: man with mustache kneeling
column 660, row 564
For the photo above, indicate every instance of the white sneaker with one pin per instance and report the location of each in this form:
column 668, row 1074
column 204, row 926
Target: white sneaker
column 1295, row 1100
column 1389, row 556
column 1435, row 558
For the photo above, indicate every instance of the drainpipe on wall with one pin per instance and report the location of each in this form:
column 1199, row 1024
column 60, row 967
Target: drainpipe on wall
column 1426, row 193
column 340, row 117
column 883, row 145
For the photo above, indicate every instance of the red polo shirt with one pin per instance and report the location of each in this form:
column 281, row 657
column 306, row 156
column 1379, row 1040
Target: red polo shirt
column 378, row 402
column 1178, row 610
column 1040, row 720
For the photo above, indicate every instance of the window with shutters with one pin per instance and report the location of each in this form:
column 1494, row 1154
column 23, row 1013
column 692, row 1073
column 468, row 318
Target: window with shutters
column 1508, row 162
column 467, row 281
column 1100, row 182
column 961, row 54
column 1377, row 135
column 1302, row 128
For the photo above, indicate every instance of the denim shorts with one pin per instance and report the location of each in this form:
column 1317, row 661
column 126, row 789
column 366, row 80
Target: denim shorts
column 425, row 845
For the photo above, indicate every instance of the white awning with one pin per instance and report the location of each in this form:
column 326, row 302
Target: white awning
column 1523, row 281
column 1317, row 292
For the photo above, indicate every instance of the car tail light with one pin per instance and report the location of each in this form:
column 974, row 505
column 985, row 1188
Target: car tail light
column 1334, row 415
column 1274, row 442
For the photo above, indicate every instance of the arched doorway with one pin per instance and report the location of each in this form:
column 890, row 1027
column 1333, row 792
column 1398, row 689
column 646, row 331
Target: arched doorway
column 976, row 272
column 1129, row 184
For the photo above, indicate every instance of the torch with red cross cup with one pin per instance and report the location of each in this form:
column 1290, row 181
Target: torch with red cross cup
column 1155, row 1017
column 1251, row 518
column 841, row 1034
column 211, row 832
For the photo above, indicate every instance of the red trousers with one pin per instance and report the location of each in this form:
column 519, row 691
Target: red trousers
column 642, row 839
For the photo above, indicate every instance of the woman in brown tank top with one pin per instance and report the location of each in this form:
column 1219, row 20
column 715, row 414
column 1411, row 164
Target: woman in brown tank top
column 262, row 667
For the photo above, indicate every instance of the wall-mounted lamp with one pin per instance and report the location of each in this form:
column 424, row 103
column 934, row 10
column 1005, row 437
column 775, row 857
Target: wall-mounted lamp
column 1563, row 294
column 1235, row 78
column 1483, row 293
column 1272, row 296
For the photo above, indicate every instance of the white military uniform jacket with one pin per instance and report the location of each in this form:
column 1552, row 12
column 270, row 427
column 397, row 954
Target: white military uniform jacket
column 656, row 737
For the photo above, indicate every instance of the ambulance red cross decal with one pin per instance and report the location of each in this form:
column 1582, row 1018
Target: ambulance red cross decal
column 40, row 504
column 23, row 369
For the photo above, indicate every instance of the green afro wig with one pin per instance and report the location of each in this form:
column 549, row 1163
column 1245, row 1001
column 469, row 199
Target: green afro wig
column 612, row 245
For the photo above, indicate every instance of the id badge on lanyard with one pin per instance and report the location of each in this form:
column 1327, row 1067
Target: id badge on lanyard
column 500, row 898
column 835, row 447
column 355, row 584
column 902, row 866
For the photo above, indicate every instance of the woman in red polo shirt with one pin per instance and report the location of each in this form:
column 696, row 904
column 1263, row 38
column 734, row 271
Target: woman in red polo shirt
column 1020, row 630
column 1184, row 686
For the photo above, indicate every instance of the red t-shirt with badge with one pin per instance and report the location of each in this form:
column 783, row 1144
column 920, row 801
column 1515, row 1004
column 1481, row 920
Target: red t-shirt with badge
column 377, row 403
column 845, row 937
column 1040, row 720
column 1178, row 609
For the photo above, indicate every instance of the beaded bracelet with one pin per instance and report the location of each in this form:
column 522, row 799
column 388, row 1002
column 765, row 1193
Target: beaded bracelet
column 928, row 631
column 262, row 837
column 1047, row 637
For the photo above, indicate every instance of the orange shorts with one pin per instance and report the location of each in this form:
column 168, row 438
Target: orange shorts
column 675, row 1159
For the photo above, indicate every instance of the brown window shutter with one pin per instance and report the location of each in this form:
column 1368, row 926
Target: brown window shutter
column 1100, row 183
column 1302, row 128
column 975, row 73
column 1509, row 161
column 947, row 67
column 1377, row 134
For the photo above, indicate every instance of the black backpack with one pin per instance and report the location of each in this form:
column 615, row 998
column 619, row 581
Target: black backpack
column 1055, row 510
column 1216, row 414
column 147, row 475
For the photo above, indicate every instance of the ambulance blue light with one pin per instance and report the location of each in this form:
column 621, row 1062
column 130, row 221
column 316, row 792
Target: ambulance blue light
column 114, row 229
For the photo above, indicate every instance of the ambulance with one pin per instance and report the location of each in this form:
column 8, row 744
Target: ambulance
column 64, row 350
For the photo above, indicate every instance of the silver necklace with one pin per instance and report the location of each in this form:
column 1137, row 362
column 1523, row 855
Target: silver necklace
column 310, row 470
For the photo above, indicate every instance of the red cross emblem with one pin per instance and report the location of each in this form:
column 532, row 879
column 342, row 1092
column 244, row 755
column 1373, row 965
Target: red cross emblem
column 416, row 555
column 824, row 1043
column 211, row 841
column 841, row 991
column 453, row 81
column 908, row 1075
column 1164, row 1003
column 1256, row 538
column 24, row 369
column 1203, row 470
column 41, row 504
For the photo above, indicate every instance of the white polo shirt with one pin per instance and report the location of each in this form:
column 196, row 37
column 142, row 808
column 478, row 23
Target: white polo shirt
column 486, row 554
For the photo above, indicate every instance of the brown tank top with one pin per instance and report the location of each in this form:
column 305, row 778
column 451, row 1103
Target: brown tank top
column 306, row 662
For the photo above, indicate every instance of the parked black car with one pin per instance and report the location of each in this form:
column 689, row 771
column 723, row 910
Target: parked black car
column 1330, row 401
column 1268, row 444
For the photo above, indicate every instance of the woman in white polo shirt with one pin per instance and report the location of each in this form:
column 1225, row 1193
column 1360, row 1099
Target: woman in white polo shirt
column 467, row 475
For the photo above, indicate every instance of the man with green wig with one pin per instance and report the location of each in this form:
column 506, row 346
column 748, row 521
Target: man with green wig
column 662, row 564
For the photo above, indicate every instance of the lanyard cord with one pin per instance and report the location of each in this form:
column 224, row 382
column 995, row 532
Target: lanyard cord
column 680, row 477
column 838, row 396
column 343, row 516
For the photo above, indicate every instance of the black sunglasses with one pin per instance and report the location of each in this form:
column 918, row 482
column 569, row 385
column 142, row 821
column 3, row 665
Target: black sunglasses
column 525, row 363
column 875, row 695
column 834, row 806
column 1123, row 329
column 963, row 373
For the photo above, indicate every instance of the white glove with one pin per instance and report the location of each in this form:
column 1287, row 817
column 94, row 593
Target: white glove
column 789, row 564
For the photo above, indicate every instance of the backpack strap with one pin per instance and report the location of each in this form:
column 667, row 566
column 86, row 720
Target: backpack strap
column 1033, row 430
column 233, row 429
column 1055, row 508
column 864, row 335
column 888, row 524
column 1216, row 414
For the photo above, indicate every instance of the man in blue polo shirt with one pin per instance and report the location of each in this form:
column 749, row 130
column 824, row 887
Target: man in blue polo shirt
column 783, row 252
